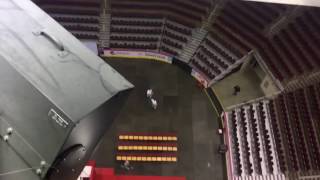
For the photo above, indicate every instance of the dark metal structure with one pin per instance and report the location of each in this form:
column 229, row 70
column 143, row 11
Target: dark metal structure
column 56, row 97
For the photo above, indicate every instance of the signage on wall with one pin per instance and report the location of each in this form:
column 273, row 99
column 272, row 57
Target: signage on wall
column 200, row 78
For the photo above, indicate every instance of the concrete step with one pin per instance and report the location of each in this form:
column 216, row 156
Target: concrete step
column 105, row 33
column 197, row 37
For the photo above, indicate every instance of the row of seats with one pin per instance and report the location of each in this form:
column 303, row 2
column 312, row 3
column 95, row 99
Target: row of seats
column 148, row 137
column 298, row 135
column 127, row 22
column 185, row 31
column 265, row 137
column 256, row 146
column 135, row 30
column 235, row 148
column 247, row 166
column 287, row 136
column 146, row 158
column 151, row 46
column 80, row 3
column 168, row 50
column 175, row 36
column 134, row 38
column 77, row 19
column 171, row 43
column 202, row 68
column 63, row 10
column 85, row 36
column 311, row 140
column 277, row 136
column 146, row 148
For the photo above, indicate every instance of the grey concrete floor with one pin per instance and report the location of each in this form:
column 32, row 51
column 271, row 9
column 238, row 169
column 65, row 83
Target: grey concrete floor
column 183, row 108
column 249, row 83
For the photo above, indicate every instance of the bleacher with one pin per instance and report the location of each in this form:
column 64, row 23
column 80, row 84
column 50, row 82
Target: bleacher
column 217, row 56
column 147, row 147
column 161, row 20
column 276, row 138
column 169, row 26
column 290, row 53
column 79, row 17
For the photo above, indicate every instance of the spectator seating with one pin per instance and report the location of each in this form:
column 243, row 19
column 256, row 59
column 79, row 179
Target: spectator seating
column 177, row 10
column 290, row 53
column 147, row 146
column 276, row 137
column 166, row 19
column 148, row 136
column 174, row 37
column 79, row 17
column 141, row 157
column 145, row 46
column 252, row 143
column 218, row 59
column 135, row 33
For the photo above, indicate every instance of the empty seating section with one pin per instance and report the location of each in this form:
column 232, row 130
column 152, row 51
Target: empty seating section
column 79, row 17
column 143, row 146
column 200, row 66
column 314, row 106
column 169, row 157
column 164, row 19
column 252, row 145
column 185, row 12
column 244, row 143
column 255, row 141
column 277, row 136
column 219, row 57
column 148, row 137
column 174, row 37
column 147, row 147
column 135, row 33
column 290, row 153
column 266, row 138
column 237, row 168
column 290, row 53
column 167, row 26
column 280, row 136
column 309, row 133
column 298, row 136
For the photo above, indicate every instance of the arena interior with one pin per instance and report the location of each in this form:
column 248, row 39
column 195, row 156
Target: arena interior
column 237, row 85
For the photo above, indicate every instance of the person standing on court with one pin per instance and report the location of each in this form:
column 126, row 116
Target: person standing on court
column 154, row 103
column 149, row 93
